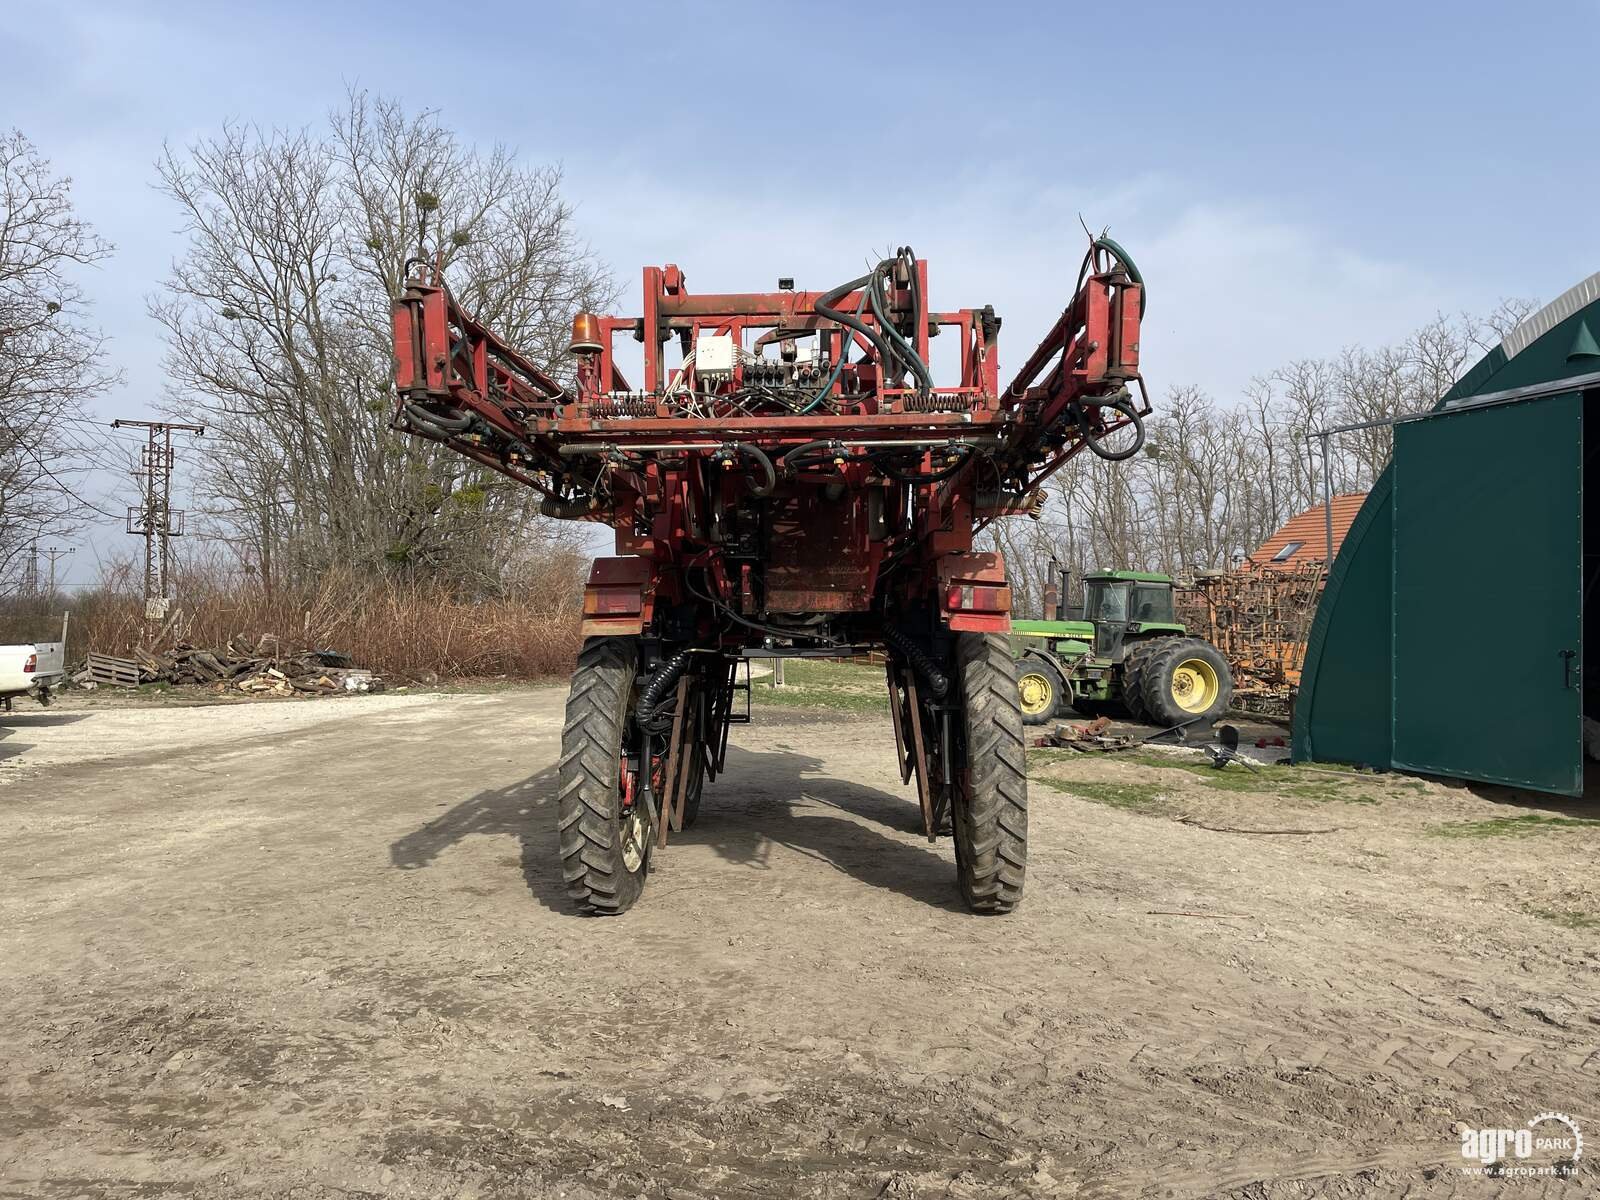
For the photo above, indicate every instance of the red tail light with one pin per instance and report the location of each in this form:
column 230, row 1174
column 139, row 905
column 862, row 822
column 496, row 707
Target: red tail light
column 32, row 665
column 975, row 597
column 611, row 601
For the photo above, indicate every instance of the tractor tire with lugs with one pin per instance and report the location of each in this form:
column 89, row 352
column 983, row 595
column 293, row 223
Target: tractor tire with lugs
column 604, row 852
column 991, row 811
column 1134, row 663
column 1185, row 681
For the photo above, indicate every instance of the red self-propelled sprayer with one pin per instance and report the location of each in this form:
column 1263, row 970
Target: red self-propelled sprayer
column 795, row 484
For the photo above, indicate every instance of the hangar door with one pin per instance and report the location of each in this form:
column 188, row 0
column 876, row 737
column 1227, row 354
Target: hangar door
column 1488, row 594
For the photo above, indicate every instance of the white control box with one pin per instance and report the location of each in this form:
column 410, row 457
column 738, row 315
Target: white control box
column 714, row 356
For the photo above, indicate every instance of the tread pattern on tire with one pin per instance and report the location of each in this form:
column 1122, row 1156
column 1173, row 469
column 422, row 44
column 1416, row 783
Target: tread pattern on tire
column 696, row 785
column 1135, row 664
column 992, row 823
column 1155, row 682
column 589, row 800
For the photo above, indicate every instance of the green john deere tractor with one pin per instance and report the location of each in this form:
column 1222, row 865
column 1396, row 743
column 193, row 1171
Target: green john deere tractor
column 1127, row 651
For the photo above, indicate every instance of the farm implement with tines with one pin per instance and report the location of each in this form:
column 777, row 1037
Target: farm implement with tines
column 794, row 483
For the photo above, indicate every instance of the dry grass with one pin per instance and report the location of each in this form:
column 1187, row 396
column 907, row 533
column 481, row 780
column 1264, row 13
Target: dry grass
column 396, row 627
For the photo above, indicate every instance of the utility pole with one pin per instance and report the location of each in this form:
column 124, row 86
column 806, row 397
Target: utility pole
column 155, row 519
column 53, row 553
column 1327, row 500
column 30, row 571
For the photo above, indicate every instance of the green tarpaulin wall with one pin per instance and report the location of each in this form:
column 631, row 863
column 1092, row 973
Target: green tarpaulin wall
column 1448, row 638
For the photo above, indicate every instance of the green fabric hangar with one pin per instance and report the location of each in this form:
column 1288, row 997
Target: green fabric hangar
column 1450, row 637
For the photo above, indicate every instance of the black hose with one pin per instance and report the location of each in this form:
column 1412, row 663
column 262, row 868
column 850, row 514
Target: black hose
column 765, row 463
column 936, row 477
column 910, row 255
column 776, row 630
column 824, row 309
column 804, row 451
column 655, row 692
column 796, row 458
column 876, row 299
column 1121, row 404
column 906, row 350
column 437, row 423
column 938, row 682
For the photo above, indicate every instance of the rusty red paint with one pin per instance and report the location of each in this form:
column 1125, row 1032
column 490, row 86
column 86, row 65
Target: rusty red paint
column 662, row 474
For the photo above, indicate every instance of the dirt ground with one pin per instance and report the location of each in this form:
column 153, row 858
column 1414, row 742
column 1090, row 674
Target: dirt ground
column 321, row 949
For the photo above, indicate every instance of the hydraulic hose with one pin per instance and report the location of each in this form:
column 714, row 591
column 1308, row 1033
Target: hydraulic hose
column 825, row 309
column 937, row 477
column 906, row 350
column 436, row 423
column 1124, row 405
column 838, row 365
column 765, row 463
column 825, row 449
column 1122, row 256
column 655, row 692
column 938, row 682
column 758, row 626
column 805, row 450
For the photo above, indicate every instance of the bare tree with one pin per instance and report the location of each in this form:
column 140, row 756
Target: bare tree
column 51, row 360
column 278, row 333
column 1216, row 480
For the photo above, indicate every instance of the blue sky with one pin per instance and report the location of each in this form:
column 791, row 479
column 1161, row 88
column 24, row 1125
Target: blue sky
column 1292, row 178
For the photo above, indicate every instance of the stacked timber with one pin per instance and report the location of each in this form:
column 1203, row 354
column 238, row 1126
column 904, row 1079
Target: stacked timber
column 259, row 668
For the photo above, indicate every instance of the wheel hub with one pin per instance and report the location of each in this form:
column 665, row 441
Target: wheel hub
column 1035, row 693
column 634, row 832
column 633, row 838
column 1194, row 685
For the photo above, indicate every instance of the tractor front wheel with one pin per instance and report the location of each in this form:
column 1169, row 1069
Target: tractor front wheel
column 991, row 798
column 1042, row 690
column 605, row 824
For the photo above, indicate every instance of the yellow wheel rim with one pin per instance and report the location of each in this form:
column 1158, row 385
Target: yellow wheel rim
column 1037, row 693
column 1195, row 686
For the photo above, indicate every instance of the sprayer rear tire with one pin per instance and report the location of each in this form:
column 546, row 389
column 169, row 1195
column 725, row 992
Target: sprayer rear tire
column 696, row 785
column 594, row 860
column 991, row 804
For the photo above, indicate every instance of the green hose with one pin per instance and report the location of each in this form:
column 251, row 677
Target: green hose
column 1126, row 259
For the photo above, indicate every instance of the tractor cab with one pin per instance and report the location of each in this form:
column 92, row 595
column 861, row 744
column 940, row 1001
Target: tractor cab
column 1120, row 603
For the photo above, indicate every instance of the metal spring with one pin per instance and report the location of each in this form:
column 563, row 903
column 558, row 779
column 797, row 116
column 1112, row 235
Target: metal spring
column 937, row 402
column 630, row 407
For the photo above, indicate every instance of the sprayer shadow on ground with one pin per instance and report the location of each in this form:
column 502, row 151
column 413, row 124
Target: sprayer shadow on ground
column 765, row 799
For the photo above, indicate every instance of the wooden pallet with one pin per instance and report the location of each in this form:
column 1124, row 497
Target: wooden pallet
column 111, row 671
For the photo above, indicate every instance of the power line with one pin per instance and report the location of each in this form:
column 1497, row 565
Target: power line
column 53, row 553
column 47, row 473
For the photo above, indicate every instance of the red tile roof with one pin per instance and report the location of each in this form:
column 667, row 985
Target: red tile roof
column 1310, row 530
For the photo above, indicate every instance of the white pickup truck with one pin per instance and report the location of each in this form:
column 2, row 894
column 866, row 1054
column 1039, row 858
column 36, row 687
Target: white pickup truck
column 31, row 668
